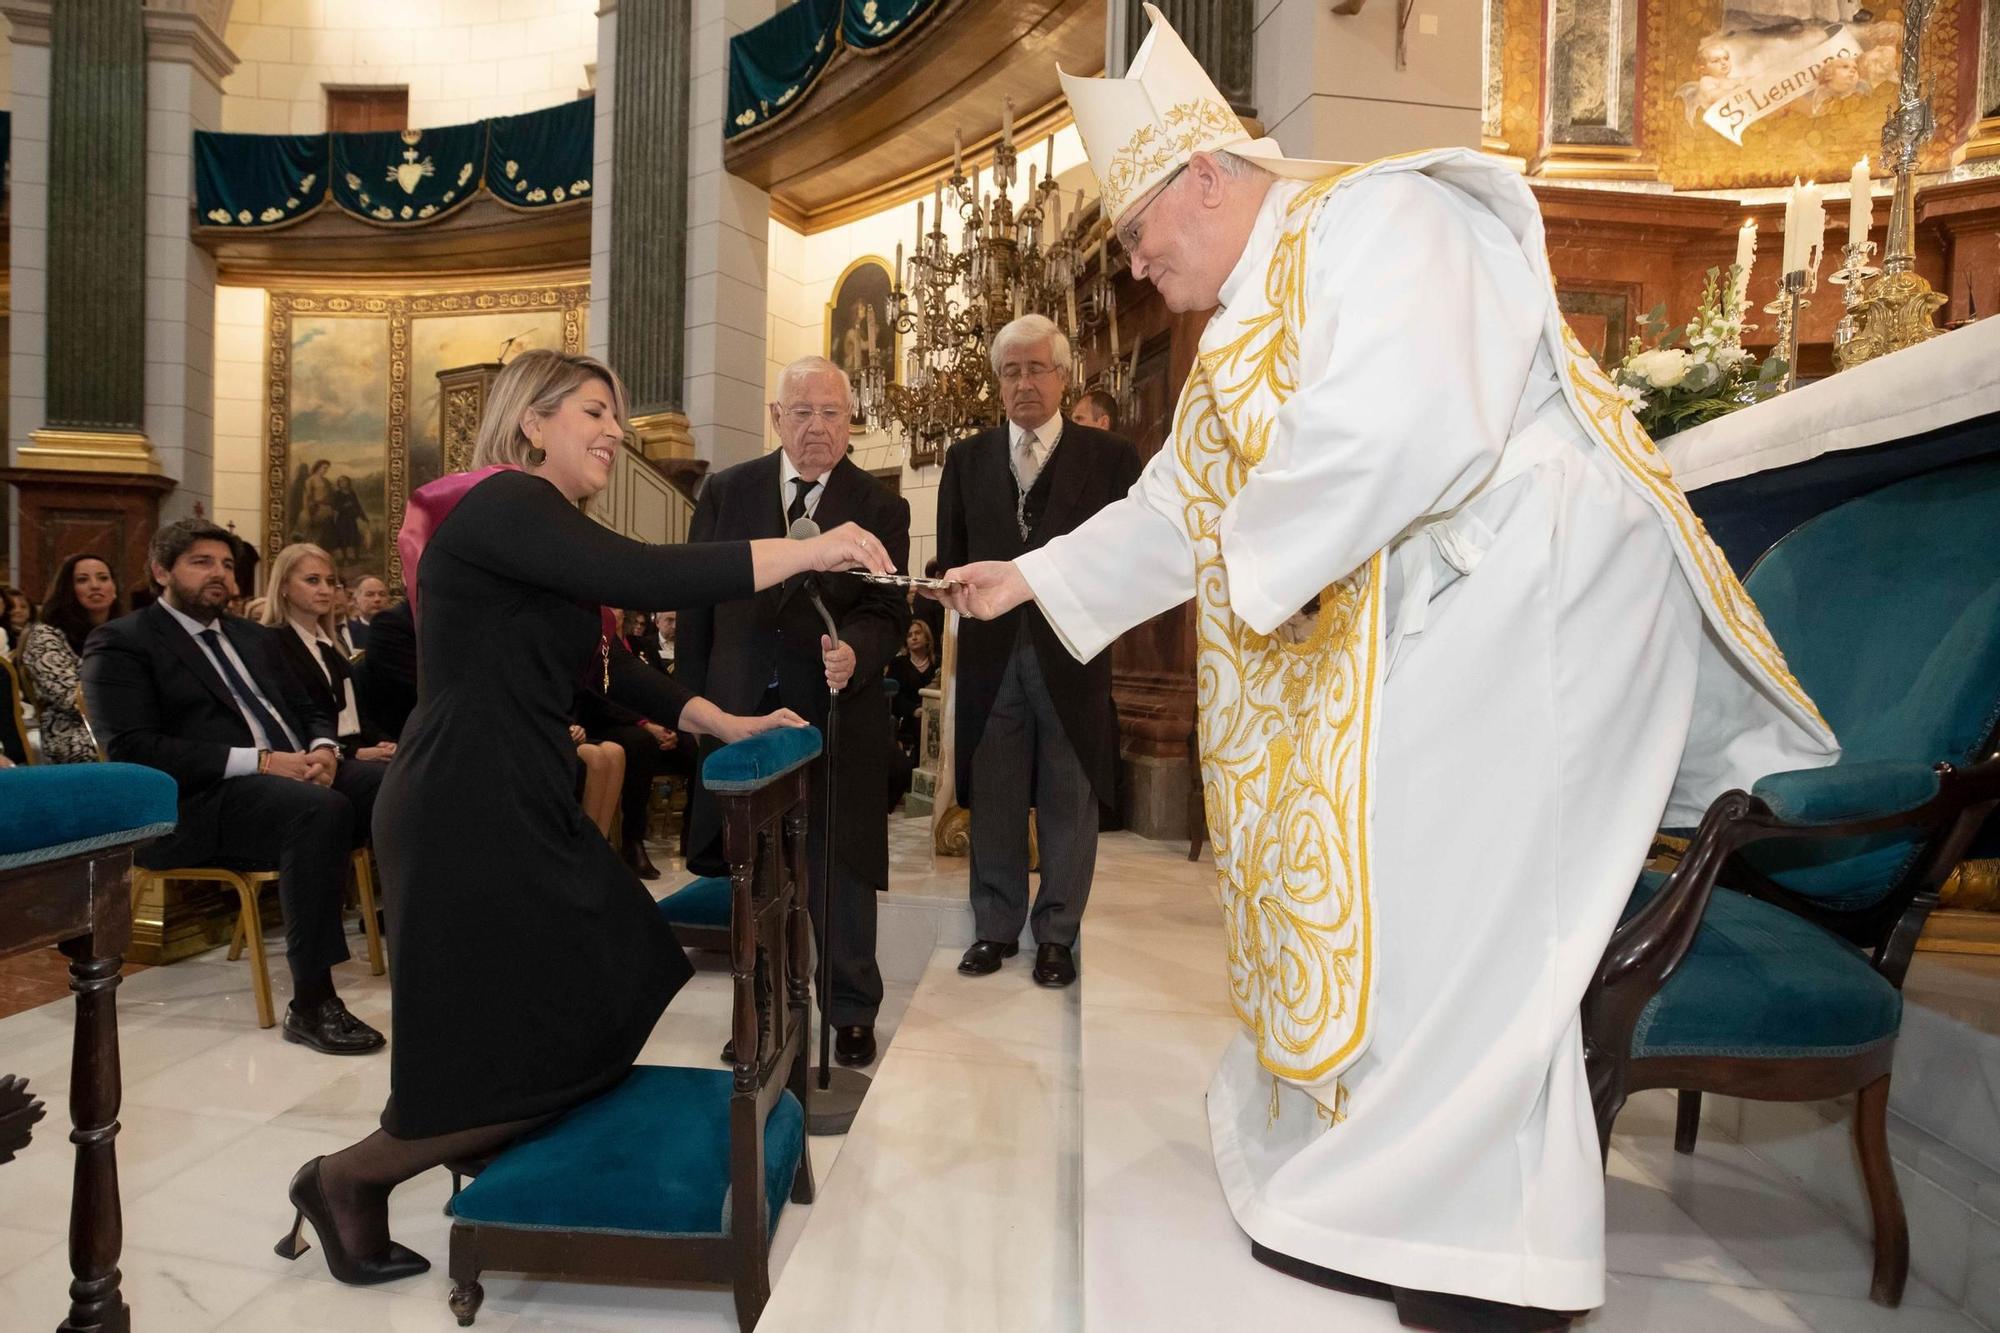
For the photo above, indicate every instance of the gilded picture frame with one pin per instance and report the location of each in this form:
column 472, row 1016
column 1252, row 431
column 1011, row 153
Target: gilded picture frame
column 857, row 323
column 340, row 406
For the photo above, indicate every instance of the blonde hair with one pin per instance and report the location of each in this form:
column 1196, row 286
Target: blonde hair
column 930, row 639
column 277, row 607
column 537, row 380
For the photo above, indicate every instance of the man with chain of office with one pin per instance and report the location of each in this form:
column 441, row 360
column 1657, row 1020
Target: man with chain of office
column 1463, row 649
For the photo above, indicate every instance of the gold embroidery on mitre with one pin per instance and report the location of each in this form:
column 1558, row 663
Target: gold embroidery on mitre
column 1182, row 130
column 1287, row 718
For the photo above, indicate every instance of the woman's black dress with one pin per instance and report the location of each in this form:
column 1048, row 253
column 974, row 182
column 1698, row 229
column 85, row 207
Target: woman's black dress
column 527, row 963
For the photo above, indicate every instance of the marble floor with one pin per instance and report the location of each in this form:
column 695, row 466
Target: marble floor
column 1028, row 1160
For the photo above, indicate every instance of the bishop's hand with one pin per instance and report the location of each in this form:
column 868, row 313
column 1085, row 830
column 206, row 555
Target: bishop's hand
column 986, row 591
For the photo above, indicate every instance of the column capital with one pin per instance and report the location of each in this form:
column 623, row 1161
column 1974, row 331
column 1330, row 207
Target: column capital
column 189, row 32
column 28, row 21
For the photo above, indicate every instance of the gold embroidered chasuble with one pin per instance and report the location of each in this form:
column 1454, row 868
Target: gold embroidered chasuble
column 1288, row 721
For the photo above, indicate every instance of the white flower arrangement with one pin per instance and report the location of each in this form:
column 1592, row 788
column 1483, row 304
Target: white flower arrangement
column 1698, row 372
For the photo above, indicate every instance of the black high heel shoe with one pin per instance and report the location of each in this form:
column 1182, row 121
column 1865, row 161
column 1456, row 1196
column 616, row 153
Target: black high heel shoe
column 309, row 1199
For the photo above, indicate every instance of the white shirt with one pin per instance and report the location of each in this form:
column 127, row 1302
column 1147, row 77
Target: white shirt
column 242, row 759
column 786, row 472
column 350, row 714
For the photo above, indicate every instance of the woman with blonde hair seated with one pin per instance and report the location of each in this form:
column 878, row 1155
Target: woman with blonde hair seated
column 299, row 608
column 528, row 963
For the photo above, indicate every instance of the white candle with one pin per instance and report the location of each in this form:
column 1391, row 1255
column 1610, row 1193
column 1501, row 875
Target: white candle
column 1028, row 201
column 1860, row 203
column 897, row 281
column 1069, row 299
column 957, row 153
column 1007, row 121
column 1794, row 223
column 1746, row 259
column 920, row 226
column 937, row 205
column 1050, row 172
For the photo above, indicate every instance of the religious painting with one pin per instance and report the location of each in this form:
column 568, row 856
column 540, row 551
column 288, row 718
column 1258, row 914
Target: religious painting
column 352, row 404
column 444, row 341
column 859, row 334
column 335, row 475
column 1758, row 92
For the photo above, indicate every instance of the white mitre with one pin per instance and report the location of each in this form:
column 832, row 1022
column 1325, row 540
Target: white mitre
column 1139, row 129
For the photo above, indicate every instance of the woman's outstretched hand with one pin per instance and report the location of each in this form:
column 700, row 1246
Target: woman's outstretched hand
column 850, row 546
column 985, row 590
column 730, row 727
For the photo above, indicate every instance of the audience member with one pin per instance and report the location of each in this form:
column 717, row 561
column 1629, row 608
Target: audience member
column 930, row 610
column 385, row 679
column 645, row 743
column 1097, row 410
column 600, row 772
column 637, row 631
column 206, row 699
column 19, row 613
column 343, row 608
column 667, row 624
column 914, row 670
column 1035, row 726
column 772, row 651
column 83, row 595
column 371, row 599
column 299, row 610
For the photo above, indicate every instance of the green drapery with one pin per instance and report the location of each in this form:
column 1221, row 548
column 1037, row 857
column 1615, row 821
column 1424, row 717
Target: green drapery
column 773, row 64
column 408, row 176
column 395, row 178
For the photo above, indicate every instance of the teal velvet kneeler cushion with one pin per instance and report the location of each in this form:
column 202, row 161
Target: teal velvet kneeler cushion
column 699, row 902
column 49, row 811
column 1761, row 983
column 748, row 765
column 649, row 1158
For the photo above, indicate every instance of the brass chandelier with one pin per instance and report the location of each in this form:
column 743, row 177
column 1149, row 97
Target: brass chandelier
column 948, row 304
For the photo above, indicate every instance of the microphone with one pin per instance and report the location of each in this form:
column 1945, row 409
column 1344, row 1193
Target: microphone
column 804, row 529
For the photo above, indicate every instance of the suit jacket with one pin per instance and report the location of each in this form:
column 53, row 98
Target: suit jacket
column 304, row 664
column 385, row 676
column 730, row 652
column 357, row 633
column 977, row 520
column 156, row 698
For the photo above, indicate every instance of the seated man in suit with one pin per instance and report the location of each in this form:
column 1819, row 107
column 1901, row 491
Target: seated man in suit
column 204, row 698
column 371, row 599
column 771, row 651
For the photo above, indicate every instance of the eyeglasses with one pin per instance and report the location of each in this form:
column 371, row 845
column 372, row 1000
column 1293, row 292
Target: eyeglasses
column 828, row 416
column 1034, row 370
column 1128, row 233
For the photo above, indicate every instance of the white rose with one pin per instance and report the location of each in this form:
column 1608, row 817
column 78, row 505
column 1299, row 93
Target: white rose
column 1663, row 367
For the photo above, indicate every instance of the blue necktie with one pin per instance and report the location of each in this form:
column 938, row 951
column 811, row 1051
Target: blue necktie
column 274, row 732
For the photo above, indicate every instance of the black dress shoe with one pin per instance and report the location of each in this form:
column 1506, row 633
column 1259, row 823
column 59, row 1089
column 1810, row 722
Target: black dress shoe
column 309, row 1199
column 854, row 1045
column 331, row 1030
column 1054, row 965
column 983, row 958
column 635, row 857
column 1437, row 1311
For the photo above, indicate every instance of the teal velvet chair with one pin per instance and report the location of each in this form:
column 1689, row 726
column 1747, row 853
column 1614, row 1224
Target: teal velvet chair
column 1769, row 963
column 699, row 912
column 681, row 1173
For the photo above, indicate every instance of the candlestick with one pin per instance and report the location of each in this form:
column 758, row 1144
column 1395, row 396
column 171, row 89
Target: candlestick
column 1860, row 203
column 1855, row 270
column 1815, row 233
column 1790, row 301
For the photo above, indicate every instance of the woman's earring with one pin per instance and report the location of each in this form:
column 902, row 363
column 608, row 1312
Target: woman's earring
column 537, row 456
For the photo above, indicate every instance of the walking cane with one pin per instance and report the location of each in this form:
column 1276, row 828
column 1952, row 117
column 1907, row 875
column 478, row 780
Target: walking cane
column 837, row 1093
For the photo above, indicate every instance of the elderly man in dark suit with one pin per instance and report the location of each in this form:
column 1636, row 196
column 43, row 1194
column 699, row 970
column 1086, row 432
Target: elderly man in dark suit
column 205, row 698
column 771, row 651
column 1035, row 726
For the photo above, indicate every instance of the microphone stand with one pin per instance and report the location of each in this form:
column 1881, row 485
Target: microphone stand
column 837, row 1092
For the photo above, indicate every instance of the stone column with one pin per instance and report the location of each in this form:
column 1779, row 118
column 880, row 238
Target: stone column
column 1329, row 84
column 94, row 413
column 647, row 269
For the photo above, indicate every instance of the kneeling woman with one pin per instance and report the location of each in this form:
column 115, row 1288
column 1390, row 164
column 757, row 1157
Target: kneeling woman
column 527, row 964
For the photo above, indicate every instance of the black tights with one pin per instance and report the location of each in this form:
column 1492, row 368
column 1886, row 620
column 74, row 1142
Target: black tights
column 357, row 1179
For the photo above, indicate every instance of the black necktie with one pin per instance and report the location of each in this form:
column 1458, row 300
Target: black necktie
column 336, row 663
column 798, row 510
column 275, row 734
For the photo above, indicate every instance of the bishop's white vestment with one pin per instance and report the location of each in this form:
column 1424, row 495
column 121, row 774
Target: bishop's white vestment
column 1463, row 649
